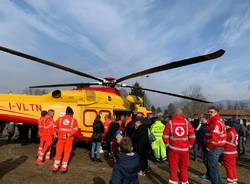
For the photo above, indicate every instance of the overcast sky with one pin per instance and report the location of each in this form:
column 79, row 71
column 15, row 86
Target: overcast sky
column 115, row 38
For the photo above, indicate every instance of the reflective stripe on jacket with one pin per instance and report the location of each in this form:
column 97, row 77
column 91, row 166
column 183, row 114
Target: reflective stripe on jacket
column 216, row 133
column 48, row 126
column 157, row 129
column 66, row 126
column 179, row 134
column 230, row 147
column 40, row 124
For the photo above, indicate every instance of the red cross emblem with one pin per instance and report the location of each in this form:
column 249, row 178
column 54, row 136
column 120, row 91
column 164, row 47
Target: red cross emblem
column 179, row 131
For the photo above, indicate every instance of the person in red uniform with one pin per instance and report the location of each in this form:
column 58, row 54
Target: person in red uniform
column 106, row 124
column 47, row 132
column 230, row 153
column 40, row 124
column 179, row 137
column 66, row 127
column 215, row 141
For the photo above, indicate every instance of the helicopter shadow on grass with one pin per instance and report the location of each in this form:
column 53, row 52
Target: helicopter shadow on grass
column 10, row 164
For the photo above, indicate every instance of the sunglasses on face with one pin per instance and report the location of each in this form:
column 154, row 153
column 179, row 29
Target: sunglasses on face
column 211, row 112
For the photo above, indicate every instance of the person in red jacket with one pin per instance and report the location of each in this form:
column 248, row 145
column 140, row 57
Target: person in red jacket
column 106, row 124
column 230, row 153
column 179, row 137
column 215, row 141
column 40, row 124
column 66, row 127
column 47, row 132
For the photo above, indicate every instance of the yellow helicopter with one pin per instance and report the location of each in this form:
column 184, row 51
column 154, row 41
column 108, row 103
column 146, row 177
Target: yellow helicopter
column 87, row 99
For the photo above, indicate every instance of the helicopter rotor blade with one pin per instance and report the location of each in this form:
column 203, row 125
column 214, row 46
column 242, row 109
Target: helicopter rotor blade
column 49, row 63
column 66, row 85
column 175, row 64
column 170, row 94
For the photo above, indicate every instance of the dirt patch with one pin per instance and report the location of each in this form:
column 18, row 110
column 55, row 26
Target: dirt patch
column 17, row 165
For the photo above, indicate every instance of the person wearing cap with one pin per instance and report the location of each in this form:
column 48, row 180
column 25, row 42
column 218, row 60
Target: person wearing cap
column 230, row 152
column 66, row 127
column 47, row 125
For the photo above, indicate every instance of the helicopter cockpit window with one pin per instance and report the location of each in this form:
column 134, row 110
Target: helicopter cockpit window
column 103, row 114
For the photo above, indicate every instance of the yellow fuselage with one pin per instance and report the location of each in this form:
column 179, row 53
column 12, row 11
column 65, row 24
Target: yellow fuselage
column 86, row 104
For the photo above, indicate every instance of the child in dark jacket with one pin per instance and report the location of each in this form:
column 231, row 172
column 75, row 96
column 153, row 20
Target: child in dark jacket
column 127, row 166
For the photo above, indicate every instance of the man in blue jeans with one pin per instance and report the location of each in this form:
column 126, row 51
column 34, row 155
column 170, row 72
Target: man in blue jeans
column 215, row 141
column 213, row 159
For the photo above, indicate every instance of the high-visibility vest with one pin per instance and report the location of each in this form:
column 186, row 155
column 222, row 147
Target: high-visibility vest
column 157, row 129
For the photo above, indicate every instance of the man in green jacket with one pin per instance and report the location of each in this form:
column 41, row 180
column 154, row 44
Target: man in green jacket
column 158, row 146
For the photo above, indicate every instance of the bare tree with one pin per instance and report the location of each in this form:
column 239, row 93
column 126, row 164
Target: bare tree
column 194, row 107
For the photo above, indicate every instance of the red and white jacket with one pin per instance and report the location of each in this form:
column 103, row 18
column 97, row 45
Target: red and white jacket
column 216, row 133
column 178, row 134
column 66, row 126
column 48, row 126
column 230, row 148
column 40, row 124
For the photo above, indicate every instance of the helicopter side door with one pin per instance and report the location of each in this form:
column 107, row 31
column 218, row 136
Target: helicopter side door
column 88, row 117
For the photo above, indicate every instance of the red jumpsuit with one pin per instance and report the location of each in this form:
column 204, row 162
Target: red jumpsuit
column 66, row 128
column 48, row 136
column 230, row 155
column 179, row 136
column 40, row 124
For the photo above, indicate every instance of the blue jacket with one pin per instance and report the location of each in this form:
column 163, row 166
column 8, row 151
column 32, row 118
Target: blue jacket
column 200, row 136
column 126, row 168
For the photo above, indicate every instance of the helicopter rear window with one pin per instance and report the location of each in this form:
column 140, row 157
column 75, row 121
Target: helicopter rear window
column 89, row 117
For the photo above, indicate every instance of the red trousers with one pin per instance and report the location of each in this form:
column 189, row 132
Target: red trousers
column 178, row 159
column 46, row 147
column 230, row 166
column 42, row 142
column 63, row 146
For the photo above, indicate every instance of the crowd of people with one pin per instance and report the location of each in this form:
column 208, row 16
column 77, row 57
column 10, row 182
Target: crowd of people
column 130, row 140
column 172, row 139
